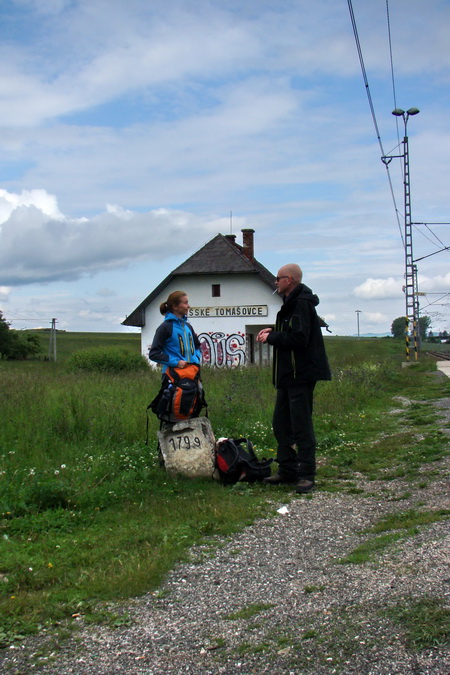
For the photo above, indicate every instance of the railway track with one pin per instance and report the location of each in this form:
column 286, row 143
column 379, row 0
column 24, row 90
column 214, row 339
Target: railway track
column 440, row 356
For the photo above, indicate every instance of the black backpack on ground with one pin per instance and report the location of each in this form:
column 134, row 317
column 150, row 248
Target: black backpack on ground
column 236, row 461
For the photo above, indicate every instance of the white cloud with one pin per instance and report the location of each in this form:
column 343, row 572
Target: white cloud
column 375, row 318
column 110, row 50
column 37, row 248
column 4, row 293
column 43, row 201
column 438, row 284
column 379, row 288
column 106, row 292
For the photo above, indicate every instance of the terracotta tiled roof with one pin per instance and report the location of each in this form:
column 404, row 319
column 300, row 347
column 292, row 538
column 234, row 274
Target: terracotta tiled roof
column 220, row 255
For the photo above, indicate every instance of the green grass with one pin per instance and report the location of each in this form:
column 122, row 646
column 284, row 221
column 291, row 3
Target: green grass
column 57, row 563
column 87, row 514
column 248, row 612
column 338, row 640
column 391, row 529
column 426, row 622
column 408, row 520
column 313, row 589
column 68, row 343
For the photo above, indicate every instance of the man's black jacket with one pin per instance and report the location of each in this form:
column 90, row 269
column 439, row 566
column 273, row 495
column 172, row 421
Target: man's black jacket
column 299, row 351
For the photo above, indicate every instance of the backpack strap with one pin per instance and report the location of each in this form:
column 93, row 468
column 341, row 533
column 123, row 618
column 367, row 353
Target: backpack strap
column 248, row 445
column 173, row 375
column 146, row 428
column 152, row 406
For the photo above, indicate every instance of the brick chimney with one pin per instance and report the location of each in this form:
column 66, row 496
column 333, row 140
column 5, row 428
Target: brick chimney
column 231, row 238
column 247, row 243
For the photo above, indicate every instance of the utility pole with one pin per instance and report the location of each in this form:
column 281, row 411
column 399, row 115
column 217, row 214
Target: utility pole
column 410, row 269
column 52, row 342
column 410, row 286
column 358, row 312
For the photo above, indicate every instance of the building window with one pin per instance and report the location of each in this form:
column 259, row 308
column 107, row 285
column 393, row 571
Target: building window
column 216, row 290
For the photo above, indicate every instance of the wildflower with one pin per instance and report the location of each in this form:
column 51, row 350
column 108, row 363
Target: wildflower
column 63, row 466
column 50, row 565
column 56, row 472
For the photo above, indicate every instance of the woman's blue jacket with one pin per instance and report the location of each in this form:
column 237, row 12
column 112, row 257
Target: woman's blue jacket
column 175, row 340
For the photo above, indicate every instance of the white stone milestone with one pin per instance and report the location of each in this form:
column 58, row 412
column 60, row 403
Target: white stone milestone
column 188, row 447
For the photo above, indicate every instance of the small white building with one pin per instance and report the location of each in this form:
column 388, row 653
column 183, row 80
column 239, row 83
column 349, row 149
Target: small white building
column 231, row 296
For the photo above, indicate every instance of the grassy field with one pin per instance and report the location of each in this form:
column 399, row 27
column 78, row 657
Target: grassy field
column 87, row 514
column 67, row 343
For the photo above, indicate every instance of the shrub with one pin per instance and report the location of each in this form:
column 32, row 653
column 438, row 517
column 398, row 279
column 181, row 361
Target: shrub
column 15, row 345
column 106, row 360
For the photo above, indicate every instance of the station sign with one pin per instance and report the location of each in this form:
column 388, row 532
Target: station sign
column 228, row 311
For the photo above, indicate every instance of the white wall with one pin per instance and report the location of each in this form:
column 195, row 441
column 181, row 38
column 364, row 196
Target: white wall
column 224, row 336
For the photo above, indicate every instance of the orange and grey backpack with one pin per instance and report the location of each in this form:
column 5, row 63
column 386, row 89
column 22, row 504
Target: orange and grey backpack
column 181, row 396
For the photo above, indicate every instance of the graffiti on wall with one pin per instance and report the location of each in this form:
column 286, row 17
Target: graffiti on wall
column 221, row 350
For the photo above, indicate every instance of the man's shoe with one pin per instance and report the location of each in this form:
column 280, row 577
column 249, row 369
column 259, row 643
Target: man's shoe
column 304, row 486
column 276, row 479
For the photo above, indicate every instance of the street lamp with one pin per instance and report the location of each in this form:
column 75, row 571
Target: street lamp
column 412, row 310
column 398, row 112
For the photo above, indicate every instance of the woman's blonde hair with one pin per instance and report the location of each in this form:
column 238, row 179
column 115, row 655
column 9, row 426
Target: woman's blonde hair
column 172, row 301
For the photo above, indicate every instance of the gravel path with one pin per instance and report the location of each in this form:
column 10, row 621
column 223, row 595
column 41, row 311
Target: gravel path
column 274, row 598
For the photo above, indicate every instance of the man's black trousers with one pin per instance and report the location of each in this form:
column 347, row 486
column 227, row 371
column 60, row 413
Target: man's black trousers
column 292, row 424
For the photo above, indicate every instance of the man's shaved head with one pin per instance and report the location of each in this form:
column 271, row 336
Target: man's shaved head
column 292, row 270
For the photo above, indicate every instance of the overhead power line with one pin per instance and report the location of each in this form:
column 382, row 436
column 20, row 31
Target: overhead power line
column 444, row 247
column 412, row 305
column 372, row 109
column 391, row 59
column 363, row 69
column 377, row 131
column 27, row 318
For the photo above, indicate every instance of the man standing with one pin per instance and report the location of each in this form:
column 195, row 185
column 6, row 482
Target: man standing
column 299, row 361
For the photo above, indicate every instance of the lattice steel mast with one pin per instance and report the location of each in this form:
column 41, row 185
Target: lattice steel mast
column 410, row 287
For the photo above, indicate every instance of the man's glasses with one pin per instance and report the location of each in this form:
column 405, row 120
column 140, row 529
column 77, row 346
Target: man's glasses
column 286, row 276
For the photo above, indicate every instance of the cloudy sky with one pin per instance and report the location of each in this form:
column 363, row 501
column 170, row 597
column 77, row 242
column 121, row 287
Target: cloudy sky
column 133, row 131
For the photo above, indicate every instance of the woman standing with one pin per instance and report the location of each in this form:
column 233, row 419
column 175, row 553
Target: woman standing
column 175, row 344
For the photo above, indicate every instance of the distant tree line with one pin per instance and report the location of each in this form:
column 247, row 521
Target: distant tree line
column 398, row 330
column 17, row 345
column 442, row 336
